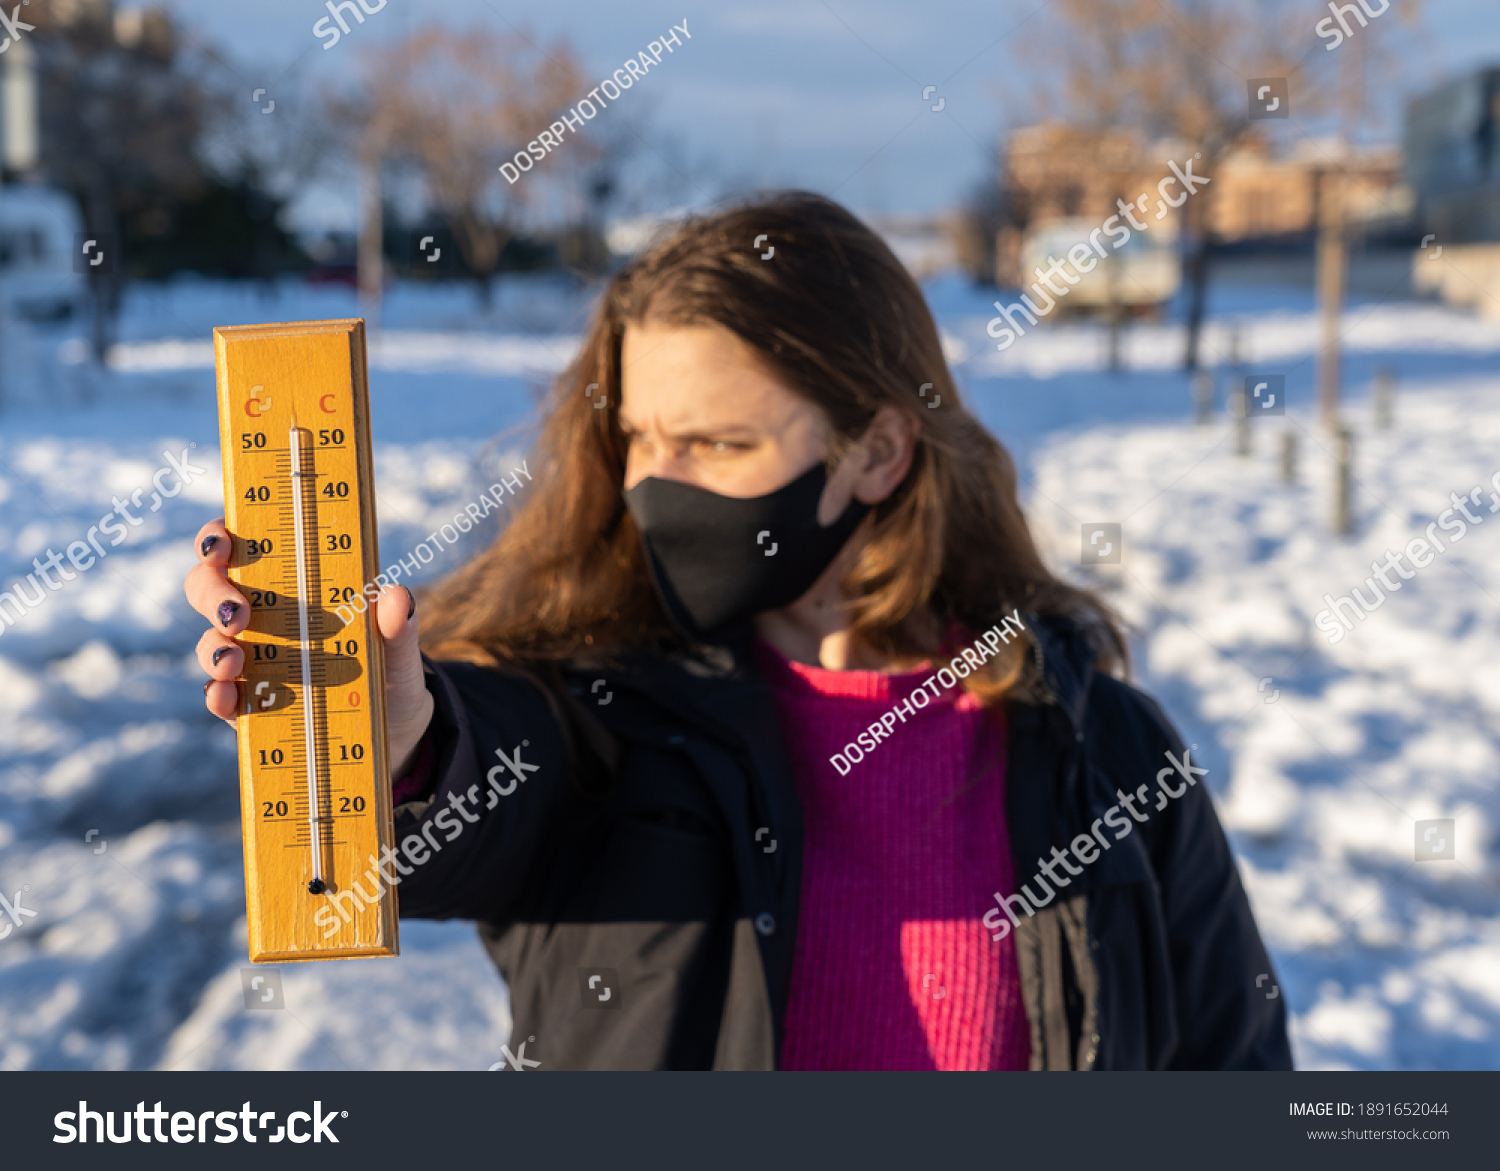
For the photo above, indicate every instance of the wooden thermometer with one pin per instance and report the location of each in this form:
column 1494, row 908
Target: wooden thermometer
column 315, row 787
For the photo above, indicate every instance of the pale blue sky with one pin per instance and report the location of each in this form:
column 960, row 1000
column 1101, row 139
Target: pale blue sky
column 825, row 95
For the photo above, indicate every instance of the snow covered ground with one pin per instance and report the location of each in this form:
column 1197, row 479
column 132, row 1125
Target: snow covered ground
column 134, row 956
column 1325, row 757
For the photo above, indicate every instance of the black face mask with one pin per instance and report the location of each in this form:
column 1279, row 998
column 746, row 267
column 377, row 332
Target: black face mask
column 717, row 560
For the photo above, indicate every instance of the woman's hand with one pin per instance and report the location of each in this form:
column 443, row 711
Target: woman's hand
column 408, row 702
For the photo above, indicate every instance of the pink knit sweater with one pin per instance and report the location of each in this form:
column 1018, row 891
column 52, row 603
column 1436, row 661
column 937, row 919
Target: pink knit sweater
column 902, row 856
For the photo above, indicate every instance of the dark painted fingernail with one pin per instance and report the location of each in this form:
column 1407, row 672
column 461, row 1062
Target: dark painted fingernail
column 209, row 542
column 207, row 685
column 220, row 653
column 227, row 611
column 411, row 603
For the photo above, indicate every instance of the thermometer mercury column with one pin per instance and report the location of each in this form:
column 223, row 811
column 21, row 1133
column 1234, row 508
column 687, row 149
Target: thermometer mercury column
column 302, row 474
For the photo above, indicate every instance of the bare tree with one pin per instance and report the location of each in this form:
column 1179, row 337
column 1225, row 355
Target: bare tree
column 457, row 105
column 121, row 111
column 984, row 216
column 1178, row 69
column 273, row 133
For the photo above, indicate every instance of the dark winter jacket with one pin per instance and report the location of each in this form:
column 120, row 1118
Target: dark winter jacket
column 618, row 868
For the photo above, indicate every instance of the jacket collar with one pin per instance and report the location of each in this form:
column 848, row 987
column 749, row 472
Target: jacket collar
column 1065, row 655
column 1067, row 660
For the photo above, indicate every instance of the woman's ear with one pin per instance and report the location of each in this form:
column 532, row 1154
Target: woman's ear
column 884, row 454
column 874, row 466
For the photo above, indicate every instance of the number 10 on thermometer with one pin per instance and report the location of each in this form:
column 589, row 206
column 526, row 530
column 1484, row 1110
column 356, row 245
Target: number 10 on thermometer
column 315, row 794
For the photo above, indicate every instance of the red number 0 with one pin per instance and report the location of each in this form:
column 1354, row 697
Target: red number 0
column 354, row 699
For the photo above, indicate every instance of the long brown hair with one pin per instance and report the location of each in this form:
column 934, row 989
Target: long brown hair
column 837, row 317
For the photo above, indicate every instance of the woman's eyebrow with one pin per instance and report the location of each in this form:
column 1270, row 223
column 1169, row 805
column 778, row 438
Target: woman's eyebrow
column 724, row 431
column 727, row 431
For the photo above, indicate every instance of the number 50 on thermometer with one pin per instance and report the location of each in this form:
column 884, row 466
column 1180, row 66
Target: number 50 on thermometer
column 315, row 793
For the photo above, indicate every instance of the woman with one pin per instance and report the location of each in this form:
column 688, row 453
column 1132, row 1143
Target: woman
column 758, row 712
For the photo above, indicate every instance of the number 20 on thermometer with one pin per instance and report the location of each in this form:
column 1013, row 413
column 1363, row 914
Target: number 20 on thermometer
column 315, row 794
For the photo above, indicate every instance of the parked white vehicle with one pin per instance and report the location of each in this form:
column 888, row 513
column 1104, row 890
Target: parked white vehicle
column 1140, row 277
column 39, row 227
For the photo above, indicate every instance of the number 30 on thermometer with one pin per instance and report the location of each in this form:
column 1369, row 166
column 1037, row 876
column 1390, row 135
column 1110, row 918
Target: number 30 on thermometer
column 315, row 794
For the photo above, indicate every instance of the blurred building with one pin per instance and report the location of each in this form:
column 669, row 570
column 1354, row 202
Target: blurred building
column 1452, row 149
column 1452, row 158
column 1261, row 199
column 1057, row 172
column 1255, row 201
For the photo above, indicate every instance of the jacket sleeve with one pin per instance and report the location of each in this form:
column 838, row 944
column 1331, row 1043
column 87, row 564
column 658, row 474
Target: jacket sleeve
column 468, row 848
column 1230, row 1014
